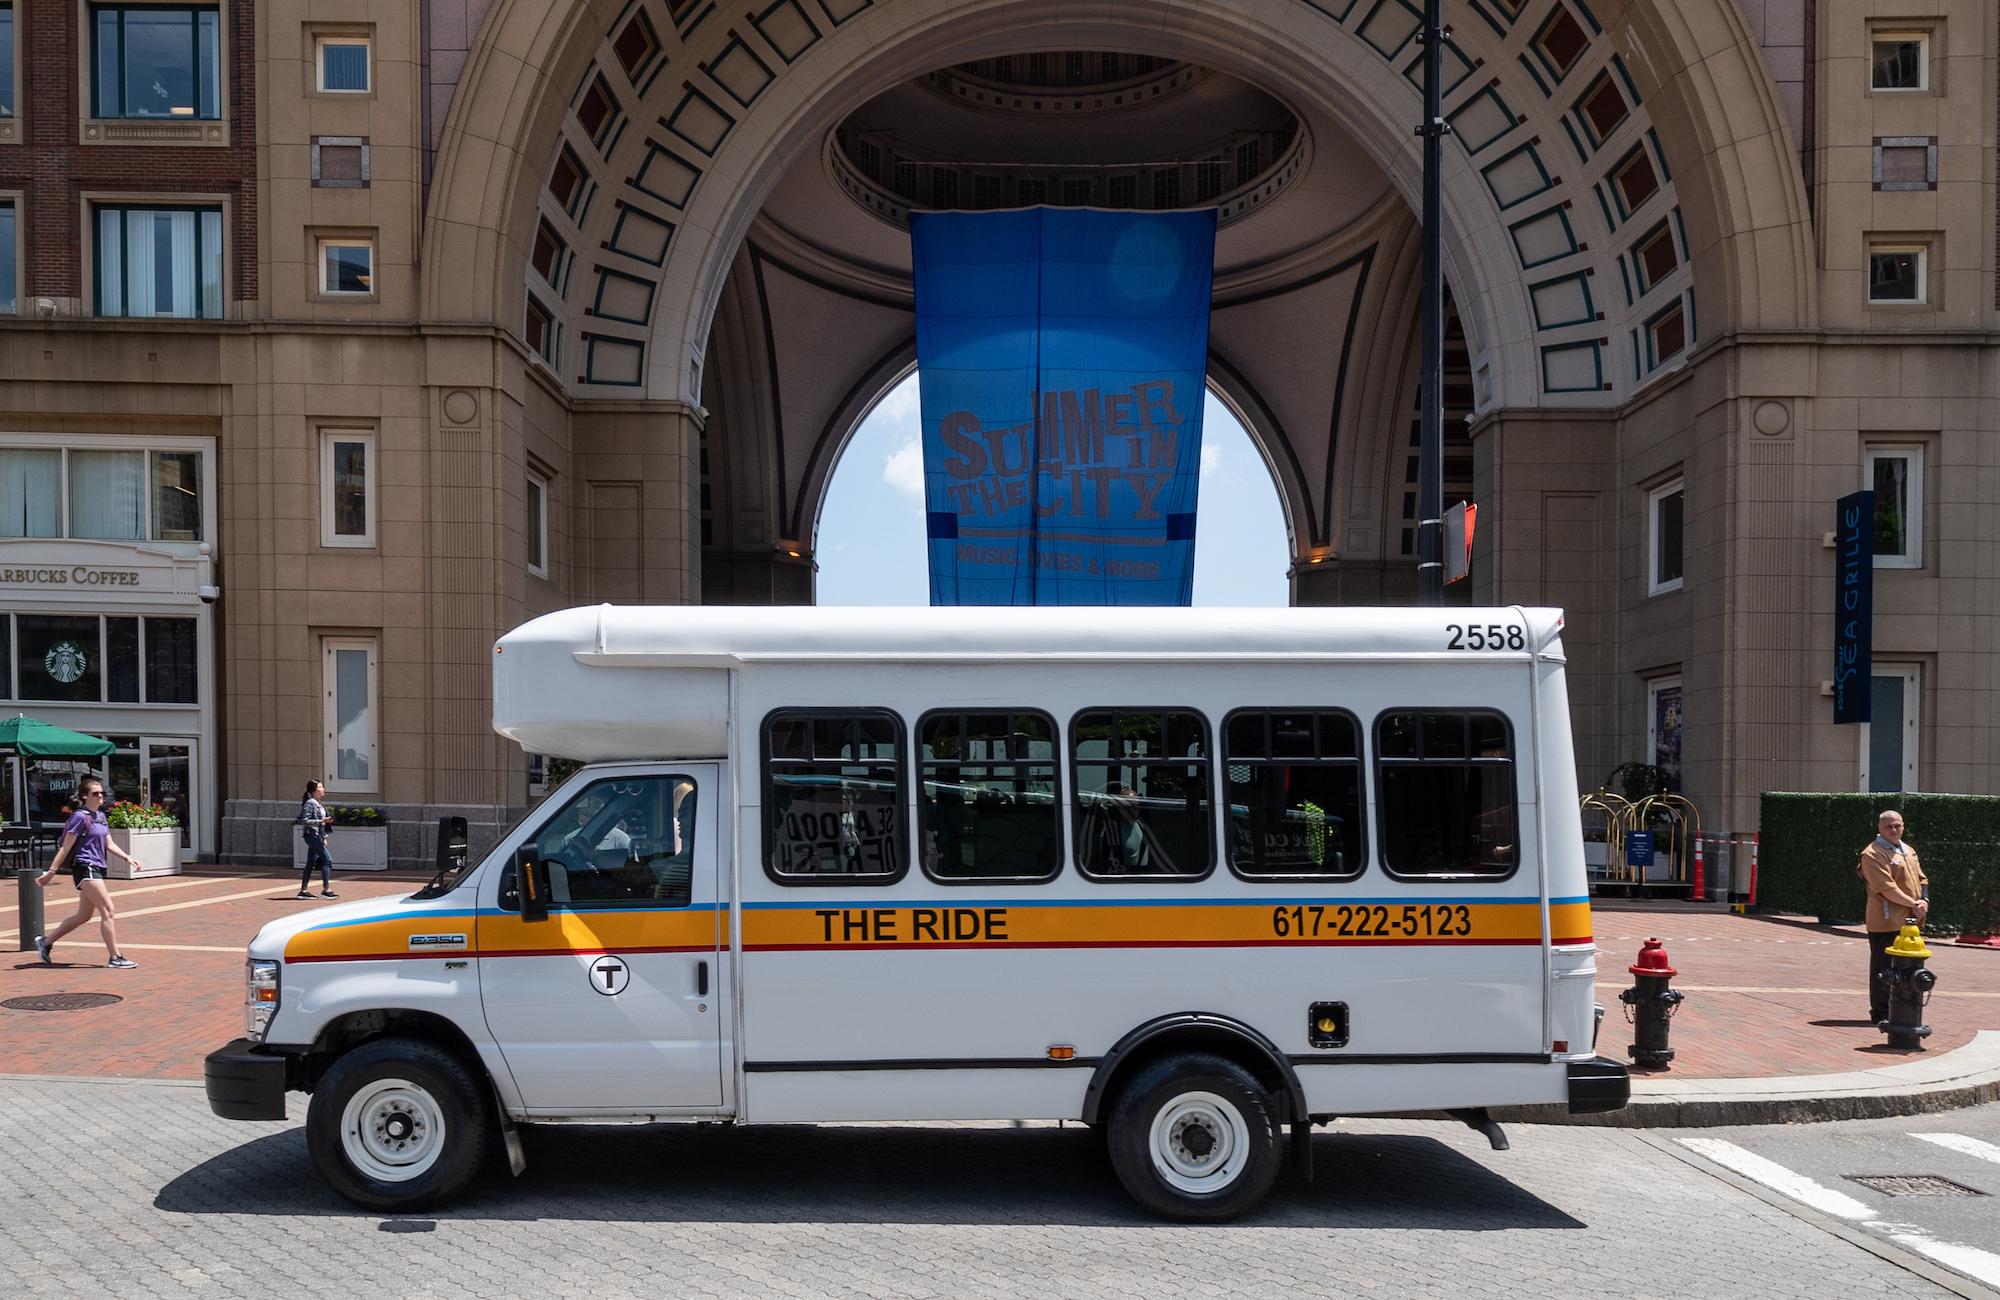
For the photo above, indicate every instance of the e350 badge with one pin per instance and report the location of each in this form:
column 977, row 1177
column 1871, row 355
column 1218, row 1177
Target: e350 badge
column 421, row 942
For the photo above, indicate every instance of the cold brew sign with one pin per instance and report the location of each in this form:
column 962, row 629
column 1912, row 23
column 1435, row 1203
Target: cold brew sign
column 1853, row 605
column 1060, row 357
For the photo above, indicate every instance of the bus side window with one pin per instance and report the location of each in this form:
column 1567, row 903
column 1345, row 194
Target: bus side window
column 1142, row 794
column 986, row 796
column 833, row 796
column 1445, row 794
column 1292, row 787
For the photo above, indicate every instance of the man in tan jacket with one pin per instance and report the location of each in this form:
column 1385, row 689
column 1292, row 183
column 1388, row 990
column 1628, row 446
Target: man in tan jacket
column 1897, row 891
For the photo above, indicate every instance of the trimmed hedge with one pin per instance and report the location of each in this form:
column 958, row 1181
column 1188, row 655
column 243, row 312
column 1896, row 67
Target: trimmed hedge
column 1809, row 844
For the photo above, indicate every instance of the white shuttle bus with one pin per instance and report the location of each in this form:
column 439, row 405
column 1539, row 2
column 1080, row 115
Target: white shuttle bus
column 1201, row 879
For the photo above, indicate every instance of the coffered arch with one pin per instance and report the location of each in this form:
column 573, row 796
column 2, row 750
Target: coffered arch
column 1622, row 183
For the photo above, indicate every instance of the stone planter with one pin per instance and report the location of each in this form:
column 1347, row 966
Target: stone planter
column 158, row 852
column 352, row 848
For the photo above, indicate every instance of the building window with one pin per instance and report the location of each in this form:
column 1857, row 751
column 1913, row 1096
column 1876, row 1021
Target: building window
column 347, row 488
column 1561, row 42
column 542, row 332
column 1897, row 276
column 1603, row 107
column 1897, row 476
column 1900, row 61
column 343, row 65
column 1635, row 180
column 547, row 254
column 1292, row 787
column 567, row 182
column 176, row 496
column 9, row 302
column 538, row 525
column 156, row 61
column 348, row 679
column 1666, row 336
column 1656, row 257
column 1664, row 507
column 1142, row 793
column 636, row 47
column 159, row 262
column 101, row 493
column 1121, row 191
column 944, row 187
column 6, row 60
column 986, row 796
column 347, row 267
column 92, row 658
column 1445, row 792
column 599, row 113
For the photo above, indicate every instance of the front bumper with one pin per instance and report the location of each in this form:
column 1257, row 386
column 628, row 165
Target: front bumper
column 245, row 1082
column 1598, row 1085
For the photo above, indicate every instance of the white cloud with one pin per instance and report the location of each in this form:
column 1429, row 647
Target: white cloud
column 1211, row 459
column 903, row 469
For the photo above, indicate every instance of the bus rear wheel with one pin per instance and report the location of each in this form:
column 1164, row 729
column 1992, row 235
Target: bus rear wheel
column 1195, row 1137
column 397, row 1124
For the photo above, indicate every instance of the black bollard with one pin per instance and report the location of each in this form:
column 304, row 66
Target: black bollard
column 30, row 895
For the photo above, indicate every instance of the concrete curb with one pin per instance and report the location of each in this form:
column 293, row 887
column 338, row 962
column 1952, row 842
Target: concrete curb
column 1969, row 1076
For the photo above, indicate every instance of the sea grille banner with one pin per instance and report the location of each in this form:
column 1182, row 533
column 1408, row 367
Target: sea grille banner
column 1061, row 355
column 1853, row 606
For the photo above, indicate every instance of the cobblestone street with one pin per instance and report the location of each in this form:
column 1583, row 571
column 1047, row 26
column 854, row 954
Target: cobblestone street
column 133, row 1189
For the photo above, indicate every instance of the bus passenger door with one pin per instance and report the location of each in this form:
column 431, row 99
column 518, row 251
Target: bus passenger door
column 611, row 1003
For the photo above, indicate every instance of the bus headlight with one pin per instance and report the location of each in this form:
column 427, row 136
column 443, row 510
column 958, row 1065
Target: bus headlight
column 260, row 998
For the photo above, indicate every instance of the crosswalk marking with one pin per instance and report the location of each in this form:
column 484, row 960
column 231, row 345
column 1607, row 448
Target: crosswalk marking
column 1980, row 1265
column 1778, row 1178
column 119, row 892
column 1958, row 1142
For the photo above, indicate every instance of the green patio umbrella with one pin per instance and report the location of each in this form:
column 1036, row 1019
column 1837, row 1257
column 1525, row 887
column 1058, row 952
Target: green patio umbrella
column 33, row 738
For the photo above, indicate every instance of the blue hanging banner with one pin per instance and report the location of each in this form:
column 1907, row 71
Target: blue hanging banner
column 1853, row 606
column 1061, row 356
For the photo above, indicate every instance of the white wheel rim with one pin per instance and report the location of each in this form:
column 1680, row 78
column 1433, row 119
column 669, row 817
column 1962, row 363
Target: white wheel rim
column 392, row 1131
column 1199, row 1143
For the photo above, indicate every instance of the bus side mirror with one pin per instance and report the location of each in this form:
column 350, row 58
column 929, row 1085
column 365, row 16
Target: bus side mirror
column 531, row 877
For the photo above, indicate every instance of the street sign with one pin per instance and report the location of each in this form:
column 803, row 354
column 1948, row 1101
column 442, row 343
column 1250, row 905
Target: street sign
column 1459, row 522
column 1638, row 848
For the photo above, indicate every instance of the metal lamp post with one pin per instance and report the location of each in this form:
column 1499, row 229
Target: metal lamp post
column 1430, row 448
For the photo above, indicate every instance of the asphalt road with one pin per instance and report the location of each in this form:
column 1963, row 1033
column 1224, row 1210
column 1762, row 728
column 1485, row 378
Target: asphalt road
column 133, row 1189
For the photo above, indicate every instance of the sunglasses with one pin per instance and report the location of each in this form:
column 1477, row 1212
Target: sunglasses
column 93, row 794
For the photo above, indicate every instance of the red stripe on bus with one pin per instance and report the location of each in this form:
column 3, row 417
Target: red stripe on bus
column 505, row 952
column 1154, row 943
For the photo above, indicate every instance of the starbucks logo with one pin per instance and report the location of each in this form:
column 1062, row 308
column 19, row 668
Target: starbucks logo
column 65, row 661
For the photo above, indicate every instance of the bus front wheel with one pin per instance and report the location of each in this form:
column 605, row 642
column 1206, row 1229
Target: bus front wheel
column 397, row 1124
column 1195, row 1137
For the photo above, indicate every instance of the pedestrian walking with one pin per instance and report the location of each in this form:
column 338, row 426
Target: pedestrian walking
column 1897, row 890
column 85, row 838
column 316, row 821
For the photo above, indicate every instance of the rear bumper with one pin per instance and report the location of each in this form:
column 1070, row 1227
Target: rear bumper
column 1598, row 1085
column 245, row 1082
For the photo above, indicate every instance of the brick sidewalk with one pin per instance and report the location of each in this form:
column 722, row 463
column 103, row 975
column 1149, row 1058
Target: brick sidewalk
column 1765, row 997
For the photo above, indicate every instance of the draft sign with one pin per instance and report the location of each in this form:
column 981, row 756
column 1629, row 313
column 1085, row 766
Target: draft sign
column 1060, row 361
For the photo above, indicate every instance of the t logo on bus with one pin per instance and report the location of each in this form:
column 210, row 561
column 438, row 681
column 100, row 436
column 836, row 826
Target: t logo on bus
column 610, row 975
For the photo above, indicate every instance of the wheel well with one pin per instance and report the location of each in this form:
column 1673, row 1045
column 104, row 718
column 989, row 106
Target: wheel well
column 1194, row 1032
column 357, row 1027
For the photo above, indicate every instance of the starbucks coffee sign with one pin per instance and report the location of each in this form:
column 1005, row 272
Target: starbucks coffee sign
column 78, row 575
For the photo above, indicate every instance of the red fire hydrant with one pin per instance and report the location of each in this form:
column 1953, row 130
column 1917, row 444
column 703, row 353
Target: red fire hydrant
column 1649, row 1006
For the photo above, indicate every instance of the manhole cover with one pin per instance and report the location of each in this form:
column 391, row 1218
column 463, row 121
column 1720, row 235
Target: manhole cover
column 1913, row 1185
column 61, row 1001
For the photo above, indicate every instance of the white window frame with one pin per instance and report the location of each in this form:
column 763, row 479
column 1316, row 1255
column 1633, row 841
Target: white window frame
column 65, row 443
column 327, row 243
column 1913, row 525
column 1913, row 712
column 330, row 714
column 1655, row 587
column 538, row 523
column 324, row 39
column 1923, row 253
column 369, row 479
column 1923, row 40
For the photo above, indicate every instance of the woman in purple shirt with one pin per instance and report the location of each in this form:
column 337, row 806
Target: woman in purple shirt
column 86, row 836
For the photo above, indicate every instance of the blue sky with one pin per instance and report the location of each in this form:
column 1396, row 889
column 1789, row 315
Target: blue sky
column 871, row 531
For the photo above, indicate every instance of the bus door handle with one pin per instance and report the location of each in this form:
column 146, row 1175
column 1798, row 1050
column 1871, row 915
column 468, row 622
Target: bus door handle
column 701, row 979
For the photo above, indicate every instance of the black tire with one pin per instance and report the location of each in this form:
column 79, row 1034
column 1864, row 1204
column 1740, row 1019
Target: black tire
column 438, row 1096
column 1201, row 1131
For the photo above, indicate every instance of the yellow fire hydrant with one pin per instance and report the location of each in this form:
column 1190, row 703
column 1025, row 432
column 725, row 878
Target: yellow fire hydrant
column 1909, row 984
